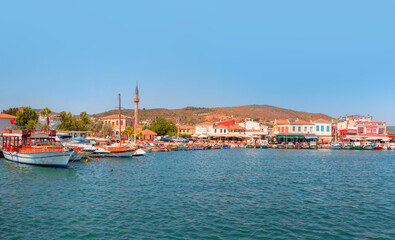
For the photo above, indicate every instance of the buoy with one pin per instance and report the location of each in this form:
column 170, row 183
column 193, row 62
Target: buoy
column 111, row 170
column 86, row 160
column 97, row 159
column 154, row 154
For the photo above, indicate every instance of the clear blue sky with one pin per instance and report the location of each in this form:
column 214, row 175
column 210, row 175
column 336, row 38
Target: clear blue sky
column 333, row 57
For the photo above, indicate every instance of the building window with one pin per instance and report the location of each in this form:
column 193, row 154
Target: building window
column 293, row 129
column 305, row 129
column 322, row 128
column 374, row 130
column 368, row 130
column 318, row 128
column 381, row 130
column 299, row 129
column 286, row 129
column 327, row 128
column 311, row 129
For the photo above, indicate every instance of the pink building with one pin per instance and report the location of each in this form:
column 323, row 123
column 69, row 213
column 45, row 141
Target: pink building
column 356, row 127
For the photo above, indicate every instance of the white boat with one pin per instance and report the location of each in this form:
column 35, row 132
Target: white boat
column 22, row 147
column 335, row 146
column 139, row 152
column 347, row 146
column 50, row 159
column 368, row 146
column 313, row 145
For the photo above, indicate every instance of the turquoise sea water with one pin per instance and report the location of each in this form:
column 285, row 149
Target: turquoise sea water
column 213, row 194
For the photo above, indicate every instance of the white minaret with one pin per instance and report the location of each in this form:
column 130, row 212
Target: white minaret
column 136, row 108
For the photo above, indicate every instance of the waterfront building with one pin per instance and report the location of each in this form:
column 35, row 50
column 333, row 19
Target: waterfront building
column 254, row 131
column 204, row 129
column 113, row 121
column 187, row 129
column 323, row 130
column 148, row 135
column 6, row 121
column 281, row 126
column 302, row 127
column 297, row 131
column 357, row 127
column 220, row 129
column 237, row 130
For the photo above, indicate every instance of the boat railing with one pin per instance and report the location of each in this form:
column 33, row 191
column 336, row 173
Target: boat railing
column 40, row 149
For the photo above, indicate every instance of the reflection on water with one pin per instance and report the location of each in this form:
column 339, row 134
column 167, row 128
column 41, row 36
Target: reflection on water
column 226, row 194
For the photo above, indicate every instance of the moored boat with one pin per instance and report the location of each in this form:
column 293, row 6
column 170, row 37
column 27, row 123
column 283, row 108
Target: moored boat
column 313, row 145
column 42, row 150
column 357, row 146
column 347, row 146
column 114, row 150
column 335, row 146
column 368, row 146
column 281, row 146
column 139, row 153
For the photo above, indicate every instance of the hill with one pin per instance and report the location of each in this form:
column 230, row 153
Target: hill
column 193, row 115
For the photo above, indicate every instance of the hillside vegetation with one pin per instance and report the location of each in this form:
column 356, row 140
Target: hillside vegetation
column 193, row 115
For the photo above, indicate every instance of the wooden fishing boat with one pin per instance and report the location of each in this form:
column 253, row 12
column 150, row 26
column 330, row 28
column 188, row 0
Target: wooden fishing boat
column 41, row 149
column 335, row 146
column 115, row 149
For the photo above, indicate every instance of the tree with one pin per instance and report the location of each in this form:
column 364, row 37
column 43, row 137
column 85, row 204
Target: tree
column 129, row 132
column 11, row 111
column 163, row 127
column 107, row 130
column 27, row 118
column 70, row 123
column 46, row 112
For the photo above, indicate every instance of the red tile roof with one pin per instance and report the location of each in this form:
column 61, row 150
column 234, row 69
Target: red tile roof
column 148, row 132
column 204, row 124
column 185, row 127
column 220, row 126
column 282, row 121
column 116, row 116
column 301, row 122
column 227, row 123
column 237, row 127
column 322, row 121
column 7, row 116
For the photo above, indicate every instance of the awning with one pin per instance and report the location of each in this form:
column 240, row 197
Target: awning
column 289, row 136
column 311, row 137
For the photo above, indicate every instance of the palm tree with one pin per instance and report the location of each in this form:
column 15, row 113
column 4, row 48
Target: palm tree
column 46, row 112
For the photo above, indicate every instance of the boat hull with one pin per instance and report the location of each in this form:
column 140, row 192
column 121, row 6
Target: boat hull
column 126, row 154
column 357, row 148
column 335, row 147
column 49, row 159
column 139, row 153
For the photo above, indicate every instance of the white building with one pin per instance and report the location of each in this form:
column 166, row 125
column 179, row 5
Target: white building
column 204, row 129
column 323, row 130
column 114, row 122
column 302, row 127
column 5, row 121
column 220, row 129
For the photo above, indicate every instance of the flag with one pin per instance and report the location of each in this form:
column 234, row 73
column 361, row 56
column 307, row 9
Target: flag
column 13, row 121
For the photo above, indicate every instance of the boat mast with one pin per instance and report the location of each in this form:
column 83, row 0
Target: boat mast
column 119, row 112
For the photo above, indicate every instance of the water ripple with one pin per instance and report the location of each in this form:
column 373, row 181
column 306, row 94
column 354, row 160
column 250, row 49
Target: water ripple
column 222, row 194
